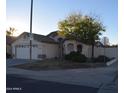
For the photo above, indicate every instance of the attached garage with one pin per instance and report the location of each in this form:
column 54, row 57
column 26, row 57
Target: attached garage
column 19, row 53
column 23, row 51
column 42, row 47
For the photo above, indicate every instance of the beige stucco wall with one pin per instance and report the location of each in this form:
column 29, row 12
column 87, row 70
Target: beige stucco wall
column 109, row 52
column 85, row 48
column 50, row 50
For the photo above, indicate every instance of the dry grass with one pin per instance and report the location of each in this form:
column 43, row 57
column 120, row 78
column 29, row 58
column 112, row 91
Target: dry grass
column 53, row 64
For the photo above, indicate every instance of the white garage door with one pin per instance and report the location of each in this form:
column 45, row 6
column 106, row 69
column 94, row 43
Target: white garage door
column 23, row 52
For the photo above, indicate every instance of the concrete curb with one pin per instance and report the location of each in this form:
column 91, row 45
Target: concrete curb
column 111, row 62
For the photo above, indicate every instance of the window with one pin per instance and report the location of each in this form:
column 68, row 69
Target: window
column 70, row 47
column 79, row 48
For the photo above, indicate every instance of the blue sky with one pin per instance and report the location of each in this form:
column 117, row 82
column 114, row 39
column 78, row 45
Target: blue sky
column 47, row 13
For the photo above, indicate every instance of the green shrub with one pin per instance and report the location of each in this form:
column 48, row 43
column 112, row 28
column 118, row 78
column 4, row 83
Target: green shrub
column 76, row 57
column 101, row 58
column 8, row 55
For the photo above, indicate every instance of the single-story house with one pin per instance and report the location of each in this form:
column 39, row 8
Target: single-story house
column 45, row 46
column 52, row 46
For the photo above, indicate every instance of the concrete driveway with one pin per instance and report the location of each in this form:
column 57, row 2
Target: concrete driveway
column 12, row 62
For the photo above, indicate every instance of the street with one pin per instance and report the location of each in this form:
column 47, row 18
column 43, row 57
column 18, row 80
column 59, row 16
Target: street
column 18, row 84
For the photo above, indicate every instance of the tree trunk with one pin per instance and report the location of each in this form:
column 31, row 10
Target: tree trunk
column 61, row 49
column 92, row 52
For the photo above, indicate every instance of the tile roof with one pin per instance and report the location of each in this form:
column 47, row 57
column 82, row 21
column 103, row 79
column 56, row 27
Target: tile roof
column 54, row 33
column 39, row 38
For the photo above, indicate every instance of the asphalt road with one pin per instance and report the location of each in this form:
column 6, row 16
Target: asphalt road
column 18, row 84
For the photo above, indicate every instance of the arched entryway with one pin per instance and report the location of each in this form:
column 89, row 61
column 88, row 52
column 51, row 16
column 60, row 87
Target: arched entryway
column 70, row 47
column 79, row 48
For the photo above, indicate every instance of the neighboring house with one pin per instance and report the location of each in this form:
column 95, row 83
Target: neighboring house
column 51, row 46
column 9, row 40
